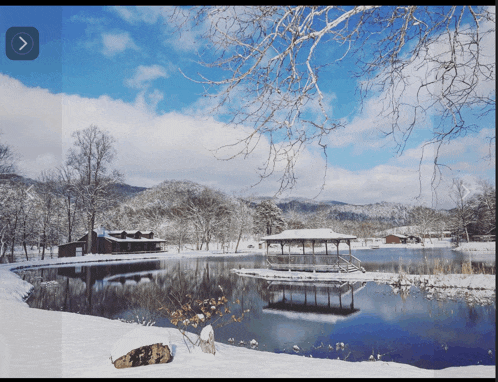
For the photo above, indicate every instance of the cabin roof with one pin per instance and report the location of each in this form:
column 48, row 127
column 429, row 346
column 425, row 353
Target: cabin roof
column 128, row 232
column 321, row 234
column 71, row 242
column 398, row 235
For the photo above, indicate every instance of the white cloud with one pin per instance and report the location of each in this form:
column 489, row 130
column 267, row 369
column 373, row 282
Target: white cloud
column 144, row 75
column 114, row 43
column 136, row 14
column 152, row 148
column 189, row 40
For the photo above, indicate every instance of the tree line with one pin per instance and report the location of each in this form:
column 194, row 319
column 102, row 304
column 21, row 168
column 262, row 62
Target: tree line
column 63, row 202
column 82, row 194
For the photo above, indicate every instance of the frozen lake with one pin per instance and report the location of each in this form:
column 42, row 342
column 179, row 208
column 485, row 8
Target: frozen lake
column 369, row 319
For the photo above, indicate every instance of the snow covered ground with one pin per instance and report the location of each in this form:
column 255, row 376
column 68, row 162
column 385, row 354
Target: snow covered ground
column 488, row 247
column 39, row 343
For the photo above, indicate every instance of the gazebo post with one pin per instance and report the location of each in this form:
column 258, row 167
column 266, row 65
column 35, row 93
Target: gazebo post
column 314, row 260
column 349, row 245
column 337, row 245
column 289, row 256
column 303, row 248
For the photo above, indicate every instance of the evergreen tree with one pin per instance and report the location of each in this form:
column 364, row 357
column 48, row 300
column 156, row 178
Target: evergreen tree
column 268, row 218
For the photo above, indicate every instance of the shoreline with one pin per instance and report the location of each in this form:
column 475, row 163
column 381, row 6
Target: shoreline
column 76, row 345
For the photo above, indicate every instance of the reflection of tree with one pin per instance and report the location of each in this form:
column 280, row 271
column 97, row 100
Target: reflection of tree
column 111, row 291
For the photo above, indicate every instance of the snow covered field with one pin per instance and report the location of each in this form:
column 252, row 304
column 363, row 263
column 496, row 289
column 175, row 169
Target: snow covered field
column 39, row 343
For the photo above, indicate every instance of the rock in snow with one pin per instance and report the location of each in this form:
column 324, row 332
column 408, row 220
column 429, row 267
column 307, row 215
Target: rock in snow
column 138, row 348
column 144, row 355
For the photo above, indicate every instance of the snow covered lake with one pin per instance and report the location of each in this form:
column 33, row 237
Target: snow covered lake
column 410, row 326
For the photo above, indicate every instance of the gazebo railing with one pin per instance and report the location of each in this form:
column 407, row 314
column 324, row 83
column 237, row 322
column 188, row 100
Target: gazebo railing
column 307, row 262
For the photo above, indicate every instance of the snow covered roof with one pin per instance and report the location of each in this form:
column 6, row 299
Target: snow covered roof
column 321, row 234
column 398, row 235
column 130, row 239
column 128, row 232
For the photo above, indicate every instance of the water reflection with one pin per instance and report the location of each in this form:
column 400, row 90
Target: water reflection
column 400, row 324
column 313, row 298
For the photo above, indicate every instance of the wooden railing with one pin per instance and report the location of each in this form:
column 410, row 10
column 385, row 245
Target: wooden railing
column 136, row 252
column 329, row 263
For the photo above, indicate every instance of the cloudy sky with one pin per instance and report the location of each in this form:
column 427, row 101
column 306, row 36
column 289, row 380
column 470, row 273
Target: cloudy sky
column 119, row 68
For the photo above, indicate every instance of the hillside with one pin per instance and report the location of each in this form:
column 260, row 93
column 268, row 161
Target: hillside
column 395, row 213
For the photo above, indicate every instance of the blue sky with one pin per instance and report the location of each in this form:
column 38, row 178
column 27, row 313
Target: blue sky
column 118, row 68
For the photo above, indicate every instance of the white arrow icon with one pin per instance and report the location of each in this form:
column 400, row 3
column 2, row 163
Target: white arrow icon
column 25, row 43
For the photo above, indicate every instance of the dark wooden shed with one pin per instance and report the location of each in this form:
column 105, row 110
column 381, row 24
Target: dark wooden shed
column 114, row 242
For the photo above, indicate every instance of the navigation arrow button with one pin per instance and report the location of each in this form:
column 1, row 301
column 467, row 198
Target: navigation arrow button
column 25, row 43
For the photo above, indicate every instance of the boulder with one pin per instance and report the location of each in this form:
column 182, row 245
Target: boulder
column 142, row 346
column 144, row 355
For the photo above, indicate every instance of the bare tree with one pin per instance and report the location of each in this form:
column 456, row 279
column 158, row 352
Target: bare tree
column 65, row 188
column 47, row 205
column 93, row 152
column 425, row 219
column 421, row 62
column 463, row 214
column 7, row 159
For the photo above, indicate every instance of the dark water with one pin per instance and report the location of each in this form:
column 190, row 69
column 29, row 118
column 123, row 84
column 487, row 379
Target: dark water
column 369, row 319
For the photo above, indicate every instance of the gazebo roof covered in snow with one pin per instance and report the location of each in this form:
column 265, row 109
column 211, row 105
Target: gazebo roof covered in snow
column 322, row 235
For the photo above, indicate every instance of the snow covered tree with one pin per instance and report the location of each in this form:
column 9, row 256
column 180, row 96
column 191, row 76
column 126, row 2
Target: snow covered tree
column 268, row 218
column 242, row 220
column 208, row 211
column 485, row 209
column 13, row 196
column 7, row 159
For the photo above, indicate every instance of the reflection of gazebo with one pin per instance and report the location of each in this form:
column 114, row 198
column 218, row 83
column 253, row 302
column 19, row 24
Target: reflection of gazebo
column 307, row 261
column 312, row 298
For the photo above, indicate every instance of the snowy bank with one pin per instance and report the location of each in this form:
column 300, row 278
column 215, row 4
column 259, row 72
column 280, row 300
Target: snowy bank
column 40, row 343
column 488, row 247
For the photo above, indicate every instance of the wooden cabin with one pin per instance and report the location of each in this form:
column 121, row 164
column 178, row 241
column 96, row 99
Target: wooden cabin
column 402, row 239
column 396, row 239
column 316, row 260
column 114, row 242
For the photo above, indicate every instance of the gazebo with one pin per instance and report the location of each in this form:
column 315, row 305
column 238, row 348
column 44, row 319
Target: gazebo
column 311, row 261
